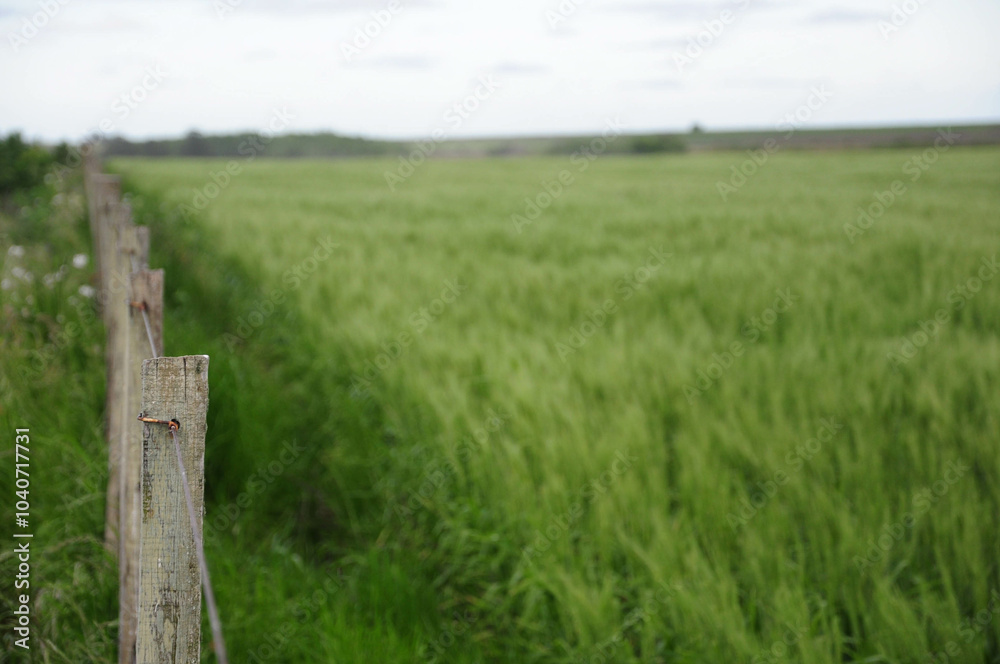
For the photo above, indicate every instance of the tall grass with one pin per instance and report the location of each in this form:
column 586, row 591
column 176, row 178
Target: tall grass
column 52, row 383
column 764, row 487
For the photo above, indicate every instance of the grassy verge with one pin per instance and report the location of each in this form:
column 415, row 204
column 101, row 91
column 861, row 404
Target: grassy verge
column 52, row 382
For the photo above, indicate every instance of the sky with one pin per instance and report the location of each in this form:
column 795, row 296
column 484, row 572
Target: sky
column 407, row 69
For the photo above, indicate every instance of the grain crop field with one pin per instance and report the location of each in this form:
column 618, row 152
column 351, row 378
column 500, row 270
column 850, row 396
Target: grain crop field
column 575, row 410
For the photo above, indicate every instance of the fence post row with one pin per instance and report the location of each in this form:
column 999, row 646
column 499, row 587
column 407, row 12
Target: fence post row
column 145, row 527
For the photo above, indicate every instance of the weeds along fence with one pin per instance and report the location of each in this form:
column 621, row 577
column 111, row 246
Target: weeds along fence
column 155, row 422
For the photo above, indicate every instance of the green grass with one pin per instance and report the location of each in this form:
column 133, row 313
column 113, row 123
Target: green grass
column 704, row 478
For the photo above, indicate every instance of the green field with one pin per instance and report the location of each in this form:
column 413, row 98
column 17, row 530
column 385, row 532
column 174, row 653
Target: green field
column 646, row 424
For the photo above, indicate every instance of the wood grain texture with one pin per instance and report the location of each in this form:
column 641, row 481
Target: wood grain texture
column 169, row 576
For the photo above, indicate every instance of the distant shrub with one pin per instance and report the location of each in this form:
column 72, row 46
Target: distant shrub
column 656, row 143
column 563, row 146
column 504, row 149
column 22, row 166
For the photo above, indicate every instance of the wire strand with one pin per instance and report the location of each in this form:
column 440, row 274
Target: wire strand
column 149, row 333
column 145, row 314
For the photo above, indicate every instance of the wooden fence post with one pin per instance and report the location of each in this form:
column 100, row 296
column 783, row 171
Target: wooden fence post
column 104, row 192
column 107, row 195
column 126, row 248
column 169, row 573
column 147, row 290
column 91, row 171
column 112, row 217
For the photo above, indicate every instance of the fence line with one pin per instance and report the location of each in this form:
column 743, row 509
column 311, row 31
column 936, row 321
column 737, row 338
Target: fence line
column 148, row 523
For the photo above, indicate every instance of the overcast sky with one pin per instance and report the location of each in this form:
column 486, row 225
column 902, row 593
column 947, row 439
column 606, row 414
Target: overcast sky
column 520, row 67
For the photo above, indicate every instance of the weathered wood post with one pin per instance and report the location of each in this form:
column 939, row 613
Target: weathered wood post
column 91, row 167
column 110, row 215
column 173, row 389
column 103, row 191
column 141, row 343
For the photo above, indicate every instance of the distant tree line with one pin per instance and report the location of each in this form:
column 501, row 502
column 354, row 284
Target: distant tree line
column 196, row 144
column 325, row 145
column 633, row 144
